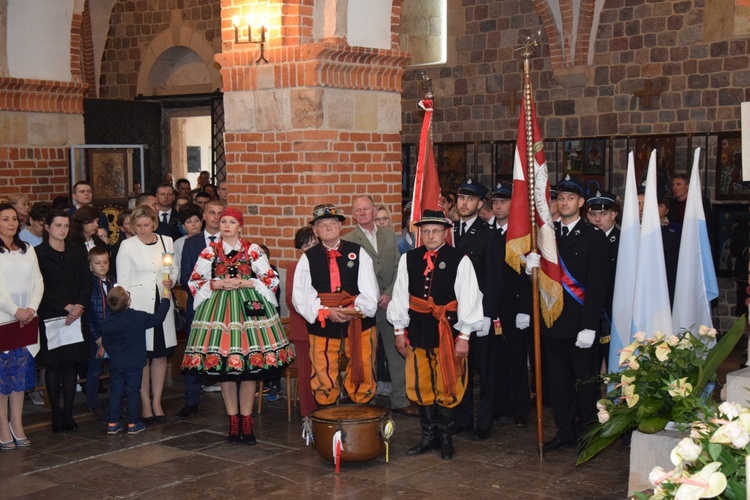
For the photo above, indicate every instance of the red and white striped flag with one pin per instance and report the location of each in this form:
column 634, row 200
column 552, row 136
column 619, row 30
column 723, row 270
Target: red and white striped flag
column 518, row 236
column 426, row 180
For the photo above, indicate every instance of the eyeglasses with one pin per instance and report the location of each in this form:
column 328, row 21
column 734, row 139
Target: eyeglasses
column 381, row 219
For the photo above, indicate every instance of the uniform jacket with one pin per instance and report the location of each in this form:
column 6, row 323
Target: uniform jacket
column 507, row 293
column 585, row 254
column 473, row 244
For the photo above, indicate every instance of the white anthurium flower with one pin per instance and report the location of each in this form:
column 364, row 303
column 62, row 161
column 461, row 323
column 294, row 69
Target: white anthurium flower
column 733, row 433
column 730, row 410
column 662, row 352
column 656, row 476
column 628, row 351
column 631, row 398
column 626, row 380
column 658, row 337
column 685, row 343
column 680, row 388
column 708, row 483
column 686, row 451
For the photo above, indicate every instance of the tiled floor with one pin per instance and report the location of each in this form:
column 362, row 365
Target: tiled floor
column 191, row 459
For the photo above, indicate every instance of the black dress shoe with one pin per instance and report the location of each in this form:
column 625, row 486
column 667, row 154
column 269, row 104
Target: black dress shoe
column 556, row 443
column 407, row 411
column 520, row 421
column 481, row 434
column 186, row 412
column 159, row 419
column 458, row 429
column 147, row 421
column 71, row 426
column 57, row 429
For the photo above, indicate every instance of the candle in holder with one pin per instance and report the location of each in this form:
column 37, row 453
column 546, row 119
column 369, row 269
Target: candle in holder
column 263, row 31
column 166, row 260
column 236, row 24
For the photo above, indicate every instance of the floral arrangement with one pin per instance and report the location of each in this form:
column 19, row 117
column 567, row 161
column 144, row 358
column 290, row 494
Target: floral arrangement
column 711, row 461
column 664, row 379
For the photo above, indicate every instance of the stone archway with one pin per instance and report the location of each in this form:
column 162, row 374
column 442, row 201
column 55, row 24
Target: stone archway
column 178, row 61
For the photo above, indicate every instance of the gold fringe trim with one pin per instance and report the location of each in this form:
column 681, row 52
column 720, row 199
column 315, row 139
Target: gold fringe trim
column 551, row 293
column 514, row 249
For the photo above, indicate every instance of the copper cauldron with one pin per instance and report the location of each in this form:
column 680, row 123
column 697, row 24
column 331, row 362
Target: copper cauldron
column 361, row 429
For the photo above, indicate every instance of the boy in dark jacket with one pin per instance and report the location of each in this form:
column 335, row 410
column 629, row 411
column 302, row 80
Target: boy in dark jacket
column 97, row 311
column 124, row 338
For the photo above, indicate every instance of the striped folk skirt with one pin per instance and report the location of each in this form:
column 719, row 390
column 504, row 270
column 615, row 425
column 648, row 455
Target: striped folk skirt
column 236, row 335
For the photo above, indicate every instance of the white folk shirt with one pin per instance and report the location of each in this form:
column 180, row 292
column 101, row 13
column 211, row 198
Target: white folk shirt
column 305, row 297
column 466, row 288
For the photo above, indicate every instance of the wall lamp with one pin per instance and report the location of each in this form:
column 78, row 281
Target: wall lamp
column 262, row 42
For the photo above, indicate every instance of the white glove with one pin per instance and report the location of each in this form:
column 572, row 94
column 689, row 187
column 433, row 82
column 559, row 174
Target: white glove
column 533, row 260
column 585, row 339
column 486, row 322
column 523, row 321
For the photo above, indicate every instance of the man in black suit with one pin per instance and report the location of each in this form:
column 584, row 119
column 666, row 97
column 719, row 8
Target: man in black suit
column 82, row 196
column 194, row 245
column 167, row 214
column 507, row 301
column 568, row 345
column 602, row 209
column 470, row 235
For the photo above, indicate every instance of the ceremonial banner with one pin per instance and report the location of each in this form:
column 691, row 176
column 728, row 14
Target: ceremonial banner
column 426, row 180
column 651, row 310
column 627, row 263
column 696, row 285
column 518, row 236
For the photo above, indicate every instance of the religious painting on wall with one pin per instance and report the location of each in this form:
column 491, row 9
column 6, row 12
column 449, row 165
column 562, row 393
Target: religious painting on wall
column 729, row 184
column 727, row 216
column 665, row 160
column 108, row 175
column 741, row 17
column 573, row 158
column 451, row 166
column 505, row 154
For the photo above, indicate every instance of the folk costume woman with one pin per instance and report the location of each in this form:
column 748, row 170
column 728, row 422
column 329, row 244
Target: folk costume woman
column 236, row 333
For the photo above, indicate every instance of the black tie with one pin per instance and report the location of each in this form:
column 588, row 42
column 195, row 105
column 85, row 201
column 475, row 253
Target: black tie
column 164, row 218
column 565, row 231
column 212, row 238
column 463, row 228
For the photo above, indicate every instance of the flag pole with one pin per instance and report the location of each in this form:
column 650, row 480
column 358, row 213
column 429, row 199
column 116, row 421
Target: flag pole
column 528, row 51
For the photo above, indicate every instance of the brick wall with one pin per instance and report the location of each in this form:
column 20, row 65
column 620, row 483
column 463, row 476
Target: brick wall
column 133, row 26
column 701, row 83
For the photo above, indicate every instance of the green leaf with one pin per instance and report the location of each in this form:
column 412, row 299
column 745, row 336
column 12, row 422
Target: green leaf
column 719, row 353
column 653, row 424
column 714, row 449
column 593, row 447
column 735, row 490
column 640, row 496
column 615, row 426
column 649, row 407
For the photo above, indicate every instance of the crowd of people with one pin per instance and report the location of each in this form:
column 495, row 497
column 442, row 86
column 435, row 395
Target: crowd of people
column 419, row 324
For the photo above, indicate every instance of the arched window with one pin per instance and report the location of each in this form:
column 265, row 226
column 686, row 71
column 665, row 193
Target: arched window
column 424, row 31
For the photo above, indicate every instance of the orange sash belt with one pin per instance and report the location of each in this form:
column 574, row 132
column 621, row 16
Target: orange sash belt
column 451, row 367
column 354, row 329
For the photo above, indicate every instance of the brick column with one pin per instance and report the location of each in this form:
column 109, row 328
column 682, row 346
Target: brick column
column 319, row 124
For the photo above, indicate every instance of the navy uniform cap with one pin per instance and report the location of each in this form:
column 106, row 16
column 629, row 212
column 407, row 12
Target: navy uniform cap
column 503, row 190
column 601, row 200
column 473, row 188
column 570, row 185
column 553, row 192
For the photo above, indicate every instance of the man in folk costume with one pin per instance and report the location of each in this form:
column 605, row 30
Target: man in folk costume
column 336, row 291
column 470, row 234
column 602, row 210
column 570, row 357
column 437, row 297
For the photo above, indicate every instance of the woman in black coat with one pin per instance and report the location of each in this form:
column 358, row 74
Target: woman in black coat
column 67, row 285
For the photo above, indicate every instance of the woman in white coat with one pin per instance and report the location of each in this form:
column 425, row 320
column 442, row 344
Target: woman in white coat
column 21, row 289
column 141, row 271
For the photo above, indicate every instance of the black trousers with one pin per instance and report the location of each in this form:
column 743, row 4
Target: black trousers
column 512, row 396
column 481, row 364
column 570, row 371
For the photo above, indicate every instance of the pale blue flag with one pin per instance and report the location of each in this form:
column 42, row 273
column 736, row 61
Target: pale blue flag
column 651, row 310
column 627, row 262
column 696, row 285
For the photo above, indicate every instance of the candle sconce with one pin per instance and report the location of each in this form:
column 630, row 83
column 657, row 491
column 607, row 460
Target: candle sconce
column 249, row 39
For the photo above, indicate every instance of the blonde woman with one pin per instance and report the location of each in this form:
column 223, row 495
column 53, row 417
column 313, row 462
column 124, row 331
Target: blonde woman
column 141, row 271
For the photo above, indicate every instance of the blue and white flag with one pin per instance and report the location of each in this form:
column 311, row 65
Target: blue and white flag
column 696, row 285
column 627, row 261
column 651, row 310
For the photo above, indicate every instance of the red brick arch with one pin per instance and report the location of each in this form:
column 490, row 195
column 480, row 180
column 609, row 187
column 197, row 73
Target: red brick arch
column 562, row 55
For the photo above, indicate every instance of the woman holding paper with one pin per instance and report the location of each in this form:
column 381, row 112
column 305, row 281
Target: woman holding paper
column 21, row 290
column 64, row 329
column 144, row 268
